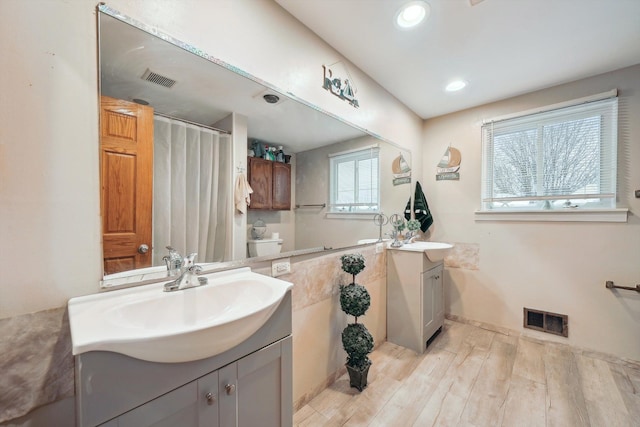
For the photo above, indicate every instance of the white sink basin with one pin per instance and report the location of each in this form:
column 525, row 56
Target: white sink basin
column 367, row 241
column 149, row 324
column 435, row 251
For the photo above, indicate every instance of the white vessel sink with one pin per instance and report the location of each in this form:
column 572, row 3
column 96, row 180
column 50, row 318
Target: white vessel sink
column 149, row 324
column 435, row 251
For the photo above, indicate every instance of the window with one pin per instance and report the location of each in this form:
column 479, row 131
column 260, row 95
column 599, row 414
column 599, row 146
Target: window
column 560, row 159
column 354, row 181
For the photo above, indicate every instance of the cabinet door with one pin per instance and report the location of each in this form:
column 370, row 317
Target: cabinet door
column 438, row 297
column 281, row 186
column 176, row 408
column 432, row 302
column 261, row 182
column 428, row 307
column 254, row 391
column 265, row 387
column 208, row 400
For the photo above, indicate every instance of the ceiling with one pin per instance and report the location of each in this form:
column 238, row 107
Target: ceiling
column 502, row 48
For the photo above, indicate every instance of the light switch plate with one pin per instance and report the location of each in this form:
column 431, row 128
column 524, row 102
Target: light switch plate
column 280, row 267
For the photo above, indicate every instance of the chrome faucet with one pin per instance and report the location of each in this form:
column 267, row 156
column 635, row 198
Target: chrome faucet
column 174, row 262
column 189, row 277
column 395, row 235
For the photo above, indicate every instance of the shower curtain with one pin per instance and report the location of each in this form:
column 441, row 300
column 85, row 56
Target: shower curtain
column 191, row 190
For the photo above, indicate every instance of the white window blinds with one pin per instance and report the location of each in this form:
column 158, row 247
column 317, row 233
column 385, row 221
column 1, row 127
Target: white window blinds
column 354, row 181
column 563, row 158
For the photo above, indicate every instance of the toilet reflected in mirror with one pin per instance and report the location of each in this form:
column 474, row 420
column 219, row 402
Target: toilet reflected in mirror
column 264, row 247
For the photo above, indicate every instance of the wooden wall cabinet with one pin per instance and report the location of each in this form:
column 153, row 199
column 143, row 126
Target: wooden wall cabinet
column 271, row 184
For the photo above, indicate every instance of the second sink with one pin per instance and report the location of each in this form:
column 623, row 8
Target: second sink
column 435, row 251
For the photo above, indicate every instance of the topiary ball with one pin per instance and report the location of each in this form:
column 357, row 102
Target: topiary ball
column 354, row 299
column 352, row 263
column 358, row 343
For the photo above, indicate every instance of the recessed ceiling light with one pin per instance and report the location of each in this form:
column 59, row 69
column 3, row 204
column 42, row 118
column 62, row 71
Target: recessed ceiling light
column 412, row 13
column 455, row 85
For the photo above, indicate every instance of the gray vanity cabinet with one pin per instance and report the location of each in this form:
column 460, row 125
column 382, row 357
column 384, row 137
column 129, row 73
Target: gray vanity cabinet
column 415, row 299
column 250, row 392
column 246, row 386
column 176, row 408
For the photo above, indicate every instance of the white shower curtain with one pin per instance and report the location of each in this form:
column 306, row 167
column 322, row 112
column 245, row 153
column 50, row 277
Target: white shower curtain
column 191, row 194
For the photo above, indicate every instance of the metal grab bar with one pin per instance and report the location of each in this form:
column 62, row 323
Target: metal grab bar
column 318, row 205
column 609, row 285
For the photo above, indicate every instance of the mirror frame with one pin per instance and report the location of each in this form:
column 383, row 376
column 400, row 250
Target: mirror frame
column 134, row 278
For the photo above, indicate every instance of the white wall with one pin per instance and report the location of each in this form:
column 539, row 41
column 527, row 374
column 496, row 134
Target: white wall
column 49, row 204
column 49, row 186
column 558, row 267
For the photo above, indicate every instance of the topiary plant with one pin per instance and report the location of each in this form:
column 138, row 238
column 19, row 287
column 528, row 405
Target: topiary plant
column 356, row 339
column 352, row 264
column 413, row 225
column 358, row 343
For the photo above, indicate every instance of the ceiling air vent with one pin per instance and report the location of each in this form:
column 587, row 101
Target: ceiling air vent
column 158, row 79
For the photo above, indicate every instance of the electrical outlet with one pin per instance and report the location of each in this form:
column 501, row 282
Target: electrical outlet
column 280, row 267
column 379, row 248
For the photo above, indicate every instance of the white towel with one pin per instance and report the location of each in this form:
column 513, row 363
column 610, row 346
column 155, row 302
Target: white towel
column 242, row 196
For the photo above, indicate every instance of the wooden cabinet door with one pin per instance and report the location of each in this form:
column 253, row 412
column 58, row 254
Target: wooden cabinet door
column 281, row 186
column 126, row 177
column 261, row 181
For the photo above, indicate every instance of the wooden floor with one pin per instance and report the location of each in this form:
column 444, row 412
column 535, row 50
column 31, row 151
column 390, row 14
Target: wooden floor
column 474, row 377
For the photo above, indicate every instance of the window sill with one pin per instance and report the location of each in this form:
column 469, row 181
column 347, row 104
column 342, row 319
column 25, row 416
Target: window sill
column 351, row 215
column 585, row 215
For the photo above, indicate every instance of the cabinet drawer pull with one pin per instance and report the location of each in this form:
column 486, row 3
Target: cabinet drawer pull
column 211, row 398
column 230, row 388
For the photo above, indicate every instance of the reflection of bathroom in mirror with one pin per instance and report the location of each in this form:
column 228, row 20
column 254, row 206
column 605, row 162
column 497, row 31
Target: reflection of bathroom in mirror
column 137, row 66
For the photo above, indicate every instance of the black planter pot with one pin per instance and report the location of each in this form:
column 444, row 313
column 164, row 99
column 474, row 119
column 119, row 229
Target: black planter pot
column 357, row 377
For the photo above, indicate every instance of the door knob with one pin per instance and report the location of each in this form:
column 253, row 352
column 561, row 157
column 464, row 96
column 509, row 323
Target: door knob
column 143, row 249
column 230, row 388
column 211, row 398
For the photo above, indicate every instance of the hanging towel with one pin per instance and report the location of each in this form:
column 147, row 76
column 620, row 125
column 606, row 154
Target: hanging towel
column 421, row 209
column 407, row 210
column 242, row 196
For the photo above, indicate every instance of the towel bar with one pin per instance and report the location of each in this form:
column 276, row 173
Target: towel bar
column 609, row 285
column 318, row 205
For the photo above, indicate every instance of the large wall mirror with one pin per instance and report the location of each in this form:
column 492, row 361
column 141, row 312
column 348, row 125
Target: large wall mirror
column 190, row 92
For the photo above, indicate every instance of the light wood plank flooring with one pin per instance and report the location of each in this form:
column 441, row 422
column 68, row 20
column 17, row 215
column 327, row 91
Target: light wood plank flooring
column 474, row 377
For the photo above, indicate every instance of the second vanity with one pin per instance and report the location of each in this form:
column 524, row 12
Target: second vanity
column 244, row 382
column 415, row 294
